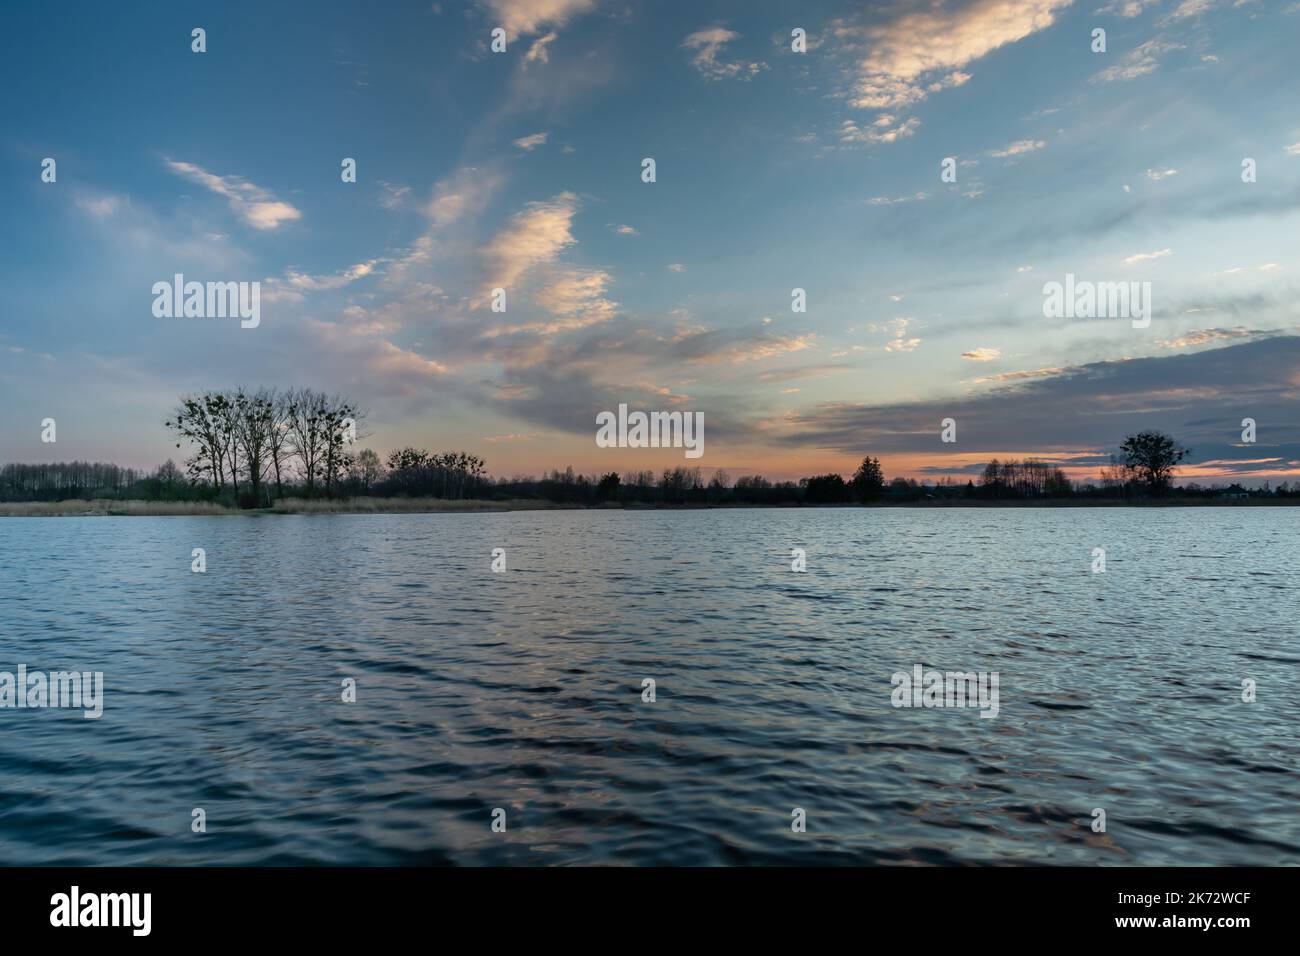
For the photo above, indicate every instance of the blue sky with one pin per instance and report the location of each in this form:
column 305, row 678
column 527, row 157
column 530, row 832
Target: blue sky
column 775, row 170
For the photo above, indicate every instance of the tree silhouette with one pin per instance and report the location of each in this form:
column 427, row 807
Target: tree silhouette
column 869, row 480
column 1152, row 456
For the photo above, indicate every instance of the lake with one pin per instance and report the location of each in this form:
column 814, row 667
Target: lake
column 522, row 690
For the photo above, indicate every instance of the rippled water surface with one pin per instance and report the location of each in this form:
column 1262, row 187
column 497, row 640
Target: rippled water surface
column 522, row 690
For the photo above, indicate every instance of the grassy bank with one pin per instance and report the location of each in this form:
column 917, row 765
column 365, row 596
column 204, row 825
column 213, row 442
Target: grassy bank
column 101, row 507
column 366, row 506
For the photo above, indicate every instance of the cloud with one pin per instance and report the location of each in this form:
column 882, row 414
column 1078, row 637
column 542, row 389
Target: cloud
column 1018, row 148
column 1155, row 175
column 255, row 205
column 1196, row 397
column 455, row 202
column 537, row 52
column 101, row 205
column 708, row 44
column 982, row 354
column 883, row 130
column 525, row 253
column 1145, row 256
column 526, row 17
column 576, row 298
column 897, row 330
column 676, row 267
column 798, row 372
column 1127, row 8
column 309, row 283
column 1140, row 61
column 343, row 352
column 393, row 196
column 920, row 51
column 712, row 347
column 447, row 206
column 895, row 200
column 1019, row 376
column 1207, row 336
column 534, row 236
column 531, row 142
column 1192, row 8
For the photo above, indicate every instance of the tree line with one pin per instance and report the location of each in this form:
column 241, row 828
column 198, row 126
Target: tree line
column 248, row 448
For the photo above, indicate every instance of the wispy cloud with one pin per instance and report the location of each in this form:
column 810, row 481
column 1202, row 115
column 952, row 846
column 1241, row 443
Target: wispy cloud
column 392, row 196
column 101, row 205
column 255, row 205
column 1206, row 337
column 1145, row 256
column 1140, row 61
column 309, row 283
column 537, row 52
column 1020, row 376
column 899, row 340
column 531, row 142
column 895, row 200
column 1018, row 148
column 708, row 46
column 709, row 347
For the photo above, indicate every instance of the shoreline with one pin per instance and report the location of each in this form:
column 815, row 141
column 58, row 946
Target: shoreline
column 103, row 507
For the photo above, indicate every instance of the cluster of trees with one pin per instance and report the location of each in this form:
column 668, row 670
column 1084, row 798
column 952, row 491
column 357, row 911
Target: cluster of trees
column 1145, row 466
column 242, row 442
column 867, row 484
column 62, row 480
column 422, row 474
column 1030, row 478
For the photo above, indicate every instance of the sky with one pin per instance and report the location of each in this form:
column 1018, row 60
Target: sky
column 775, row 170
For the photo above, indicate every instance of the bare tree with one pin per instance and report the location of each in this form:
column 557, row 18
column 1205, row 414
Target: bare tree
column 254, row 426
column 306, row 426
column 278, row 446
column 203, row 419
